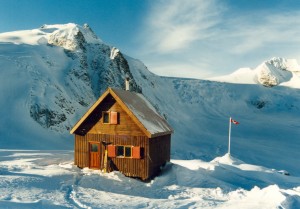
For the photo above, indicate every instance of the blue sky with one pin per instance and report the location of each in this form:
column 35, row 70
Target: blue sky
column 186, row 38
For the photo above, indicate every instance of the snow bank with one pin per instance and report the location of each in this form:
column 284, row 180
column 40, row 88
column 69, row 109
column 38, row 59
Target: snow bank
column 39, row 179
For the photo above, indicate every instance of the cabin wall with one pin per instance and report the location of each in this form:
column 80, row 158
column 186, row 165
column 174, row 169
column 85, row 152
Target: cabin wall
column 159, row 153
column 127, row 166
column 125, row 126
column 81, row 151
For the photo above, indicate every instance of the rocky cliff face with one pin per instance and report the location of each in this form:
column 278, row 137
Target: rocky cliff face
column 74, row 68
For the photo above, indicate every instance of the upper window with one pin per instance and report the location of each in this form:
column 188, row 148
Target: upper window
column 105, row 117
column 110, row 117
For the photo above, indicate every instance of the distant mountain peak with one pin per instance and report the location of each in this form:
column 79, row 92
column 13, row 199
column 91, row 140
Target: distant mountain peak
column 273, row 72
column 71, row 36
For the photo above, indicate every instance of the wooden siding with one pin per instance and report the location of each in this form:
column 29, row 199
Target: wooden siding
column 127, row 166
column 156, row 152
column 159, row 153
column 125, row 126
column 81, row 155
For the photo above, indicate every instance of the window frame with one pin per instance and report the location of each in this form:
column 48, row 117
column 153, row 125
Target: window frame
column 118, row 151
column 103, row 117
column 127, row 148
column 123, row 147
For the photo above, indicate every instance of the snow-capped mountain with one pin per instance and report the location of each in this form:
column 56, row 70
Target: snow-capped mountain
column 273, row 72
column 51, row 75
column 54, row 72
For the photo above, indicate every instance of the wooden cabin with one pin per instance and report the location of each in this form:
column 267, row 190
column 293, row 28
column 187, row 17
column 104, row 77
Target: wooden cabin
column 122, row 131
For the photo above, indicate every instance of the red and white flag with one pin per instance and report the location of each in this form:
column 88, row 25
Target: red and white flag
column 234, row 122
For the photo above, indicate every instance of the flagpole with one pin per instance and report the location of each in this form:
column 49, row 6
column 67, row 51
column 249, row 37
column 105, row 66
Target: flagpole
column 229, row 136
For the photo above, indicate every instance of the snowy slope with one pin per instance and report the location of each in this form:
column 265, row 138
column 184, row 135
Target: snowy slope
column 47, row 179
column 51, row 75
column 199, row 111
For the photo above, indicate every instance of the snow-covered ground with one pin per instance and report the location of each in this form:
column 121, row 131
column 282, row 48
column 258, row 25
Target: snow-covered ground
column 48, row 179
column 51, row 75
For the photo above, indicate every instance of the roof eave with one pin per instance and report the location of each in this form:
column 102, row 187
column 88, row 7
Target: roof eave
column 161, row 134
column 90, row 110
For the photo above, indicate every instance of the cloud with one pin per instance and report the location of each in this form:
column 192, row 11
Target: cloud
column 197, row 38
column 262, row 31
column 175, row 25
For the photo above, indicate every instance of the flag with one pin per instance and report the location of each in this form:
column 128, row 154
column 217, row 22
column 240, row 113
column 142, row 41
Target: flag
column 234, row 122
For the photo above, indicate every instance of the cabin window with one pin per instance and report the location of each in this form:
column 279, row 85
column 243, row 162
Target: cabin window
column 120, row 151
column 110, row 118
column 94, row 147
column 124, row 151
column 127, row 151
column 105, row 117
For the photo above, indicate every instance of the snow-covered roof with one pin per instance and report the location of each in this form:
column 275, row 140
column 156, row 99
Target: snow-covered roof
column 143, row 113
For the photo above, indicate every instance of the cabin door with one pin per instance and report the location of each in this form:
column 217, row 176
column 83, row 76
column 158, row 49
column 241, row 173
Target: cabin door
column 94, row 148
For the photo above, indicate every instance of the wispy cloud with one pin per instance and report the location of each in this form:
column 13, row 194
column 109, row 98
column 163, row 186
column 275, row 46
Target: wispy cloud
column 182, row 36
column 264, row 31
column 175, row 25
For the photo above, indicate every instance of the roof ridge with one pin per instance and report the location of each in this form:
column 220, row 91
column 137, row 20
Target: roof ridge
column 137, row 107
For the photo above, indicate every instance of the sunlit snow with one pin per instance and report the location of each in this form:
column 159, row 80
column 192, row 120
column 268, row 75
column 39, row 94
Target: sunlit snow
column 50, row 76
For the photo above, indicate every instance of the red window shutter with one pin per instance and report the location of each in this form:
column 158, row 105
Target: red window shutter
column 111, row 150
column 113, row 118
column 136, row 152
